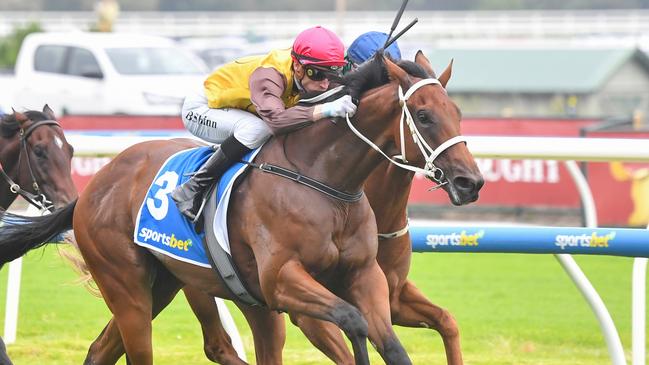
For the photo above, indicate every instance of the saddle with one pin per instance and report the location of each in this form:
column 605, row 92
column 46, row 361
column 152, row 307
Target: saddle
column 160, row 226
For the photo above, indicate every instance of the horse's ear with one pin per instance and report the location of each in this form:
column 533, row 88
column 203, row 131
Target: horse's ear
column 19, row 117
column 49, row 112
column 423, row 61
column 446, row 75
column 396, row 73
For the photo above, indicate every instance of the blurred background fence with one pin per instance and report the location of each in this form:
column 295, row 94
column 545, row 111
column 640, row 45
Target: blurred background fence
column 433, row 25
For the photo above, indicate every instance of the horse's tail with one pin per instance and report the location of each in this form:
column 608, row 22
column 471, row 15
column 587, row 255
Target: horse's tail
column 19, row 234
column 74, row 258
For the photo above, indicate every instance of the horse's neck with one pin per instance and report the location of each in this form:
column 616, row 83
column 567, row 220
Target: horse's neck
column 388, row 189
column 332, row 153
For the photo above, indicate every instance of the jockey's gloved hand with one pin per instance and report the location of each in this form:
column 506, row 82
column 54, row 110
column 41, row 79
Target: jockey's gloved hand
column 337, row 108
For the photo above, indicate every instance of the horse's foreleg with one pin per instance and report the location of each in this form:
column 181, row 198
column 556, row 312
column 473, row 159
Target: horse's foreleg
column 414, row 310
column 326, row 337
column 295, row 291
column 409, row 307
column 368, row 290
column 216, row 341
column 268, row 332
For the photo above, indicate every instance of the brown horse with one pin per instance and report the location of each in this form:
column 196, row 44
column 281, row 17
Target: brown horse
column 300, row 251
column 387, row 190
column 34, row 154
column 35, row 158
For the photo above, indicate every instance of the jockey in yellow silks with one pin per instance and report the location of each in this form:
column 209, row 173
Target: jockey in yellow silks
column 244, row 102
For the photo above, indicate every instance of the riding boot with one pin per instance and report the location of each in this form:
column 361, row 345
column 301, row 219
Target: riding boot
column 189, row 195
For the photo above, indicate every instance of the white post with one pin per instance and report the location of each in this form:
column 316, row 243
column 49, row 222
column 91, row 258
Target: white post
column 613, row 343
column 612, row 338
column 638, row 307
column 13, row 296
column 231, row 328
column 638, row 298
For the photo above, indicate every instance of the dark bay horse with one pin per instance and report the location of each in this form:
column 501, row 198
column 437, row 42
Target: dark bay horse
column 298, row 250
column 35, row 158
column 35, row 163
column 387, row 190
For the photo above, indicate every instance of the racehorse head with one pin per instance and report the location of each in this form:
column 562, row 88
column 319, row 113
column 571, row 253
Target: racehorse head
column 427, row 135
column 36, row 156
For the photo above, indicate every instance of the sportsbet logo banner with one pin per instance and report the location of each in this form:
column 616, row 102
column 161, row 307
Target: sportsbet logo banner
column 531, row 239
column 454, row 239
column 170, row 241
column 473, row 238
column 584, row 240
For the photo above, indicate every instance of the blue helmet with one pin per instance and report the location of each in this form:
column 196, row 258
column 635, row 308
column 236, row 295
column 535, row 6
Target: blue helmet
column 367, row 44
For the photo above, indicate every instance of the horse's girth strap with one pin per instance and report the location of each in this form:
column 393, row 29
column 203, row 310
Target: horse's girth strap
column 312, row 183
column 220, row 260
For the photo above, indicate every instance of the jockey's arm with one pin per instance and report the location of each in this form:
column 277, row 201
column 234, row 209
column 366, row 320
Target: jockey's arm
column 266, row 88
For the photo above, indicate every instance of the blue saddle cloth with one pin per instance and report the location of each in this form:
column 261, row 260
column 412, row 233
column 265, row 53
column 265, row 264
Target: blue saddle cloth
column 160, row 226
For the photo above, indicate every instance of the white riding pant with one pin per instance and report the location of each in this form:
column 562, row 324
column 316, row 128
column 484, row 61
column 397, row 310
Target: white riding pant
column 215, row 125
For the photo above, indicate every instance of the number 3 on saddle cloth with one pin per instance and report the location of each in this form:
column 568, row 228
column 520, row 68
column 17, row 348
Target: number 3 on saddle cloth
column 162, row 228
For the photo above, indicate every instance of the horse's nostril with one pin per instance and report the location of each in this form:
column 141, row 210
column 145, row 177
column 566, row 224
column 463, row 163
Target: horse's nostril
column 464, row 184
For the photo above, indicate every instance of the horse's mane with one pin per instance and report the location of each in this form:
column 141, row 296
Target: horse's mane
column 370, row 75
column 9, row 125
column 374, row 73
column 414, row 69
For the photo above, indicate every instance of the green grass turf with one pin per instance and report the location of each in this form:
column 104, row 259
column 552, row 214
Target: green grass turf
column 512, row 309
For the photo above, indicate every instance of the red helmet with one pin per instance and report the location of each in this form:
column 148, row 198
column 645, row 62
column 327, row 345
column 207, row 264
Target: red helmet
column 319, row 46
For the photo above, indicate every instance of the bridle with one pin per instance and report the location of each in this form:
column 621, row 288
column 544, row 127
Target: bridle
column 430, row 154
column 39, row 200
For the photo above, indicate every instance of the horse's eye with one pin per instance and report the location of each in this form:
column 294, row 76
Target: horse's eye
column 39, row 151
column 423, row 117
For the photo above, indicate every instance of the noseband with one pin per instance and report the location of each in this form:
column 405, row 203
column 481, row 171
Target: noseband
column 39, row 199
column 430, row 154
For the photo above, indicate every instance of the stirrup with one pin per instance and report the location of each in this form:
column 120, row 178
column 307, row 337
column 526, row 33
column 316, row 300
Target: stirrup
column 199, row 213
column 199, row 224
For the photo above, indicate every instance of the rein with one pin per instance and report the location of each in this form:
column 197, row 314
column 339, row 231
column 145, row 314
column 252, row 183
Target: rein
column 429, row 153
column 39, row 200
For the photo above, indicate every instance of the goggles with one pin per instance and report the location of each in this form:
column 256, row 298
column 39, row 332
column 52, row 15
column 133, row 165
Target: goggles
column 319, row 73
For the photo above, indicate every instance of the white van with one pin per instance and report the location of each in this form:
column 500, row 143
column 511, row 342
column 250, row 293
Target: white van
column 105, row 73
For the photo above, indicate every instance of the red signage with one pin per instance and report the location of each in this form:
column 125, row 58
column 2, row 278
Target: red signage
column 516, row 183
column 621, row 191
